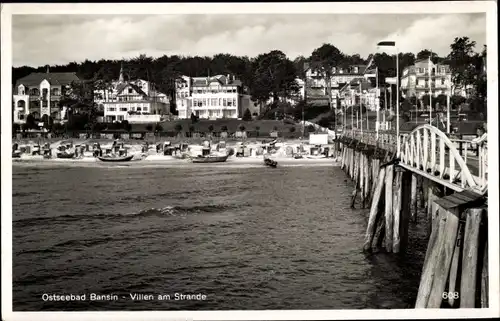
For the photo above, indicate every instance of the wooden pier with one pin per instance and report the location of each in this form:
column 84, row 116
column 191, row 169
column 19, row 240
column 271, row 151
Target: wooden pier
column 428, row 173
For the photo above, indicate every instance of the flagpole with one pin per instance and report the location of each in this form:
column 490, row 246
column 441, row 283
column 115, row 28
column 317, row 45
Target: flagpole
column 377, row 102
column 397, row 101
column 430, row 90
column 360, row 102
column 448, row 109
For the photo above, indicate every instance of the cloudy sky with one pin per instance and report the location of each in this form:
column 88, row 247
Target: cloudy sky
column 58, row 39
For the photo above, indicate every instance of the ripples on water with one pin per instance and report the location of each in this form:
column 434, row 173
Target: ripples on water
column 248, row 238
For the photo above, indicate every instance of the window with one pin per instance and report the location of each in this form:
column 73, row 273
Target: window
column 145, row 109
column 120, row 117
column 123, row 109
column 224, row 102
column 139, row 109
column 111, row 109
column 443, row 81
column 45, row 103
column 20, row 90
column 130, row 90
column 55, row 92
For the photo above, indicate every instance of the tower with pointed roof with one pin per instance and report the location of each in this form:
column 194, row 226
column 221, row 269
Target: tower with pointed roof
column 120, row 79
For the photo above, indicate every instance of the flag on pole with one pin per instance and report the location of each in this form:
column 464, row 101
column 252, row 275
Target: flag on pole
column 387, row 46
column 371, row 69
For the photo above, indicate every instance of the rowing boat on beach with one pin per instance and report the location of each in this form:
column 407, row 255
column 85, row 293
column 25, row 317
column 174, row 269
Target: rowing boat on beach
column 115, row 158
column 209, row 159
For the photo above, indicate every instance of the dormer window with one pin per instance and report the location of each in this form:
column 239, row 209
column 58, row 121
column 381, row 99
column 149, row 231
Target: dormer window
column 356, row 70
column 20, row 90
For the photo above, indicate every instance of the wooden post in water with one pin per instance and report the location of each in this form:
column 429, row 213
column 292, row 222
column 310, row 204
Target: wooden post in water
column 485, row 279
column 454, row 279
column 470, row 258
column 438, row 258
column 413, row 201
column 405, row 214
column 362, row 178
column 351, row 165
column 367, row 176
column 396, row 209
column 389, row 219
column 374, row 210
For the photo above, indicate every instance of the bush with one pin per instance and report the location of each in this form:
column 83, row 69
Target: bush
column 158, row 128
column 178, row 128
column 292, row 129
column 242, row 127
column 247, row 116
column 149, row 127
column 223, row 128
column 211, row 128
column 191, row 129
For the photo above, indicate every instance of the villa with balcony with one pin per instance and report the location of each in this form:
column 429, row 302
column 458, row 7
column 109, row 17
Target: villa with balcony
column 39, row 94
column 315, row 83
column 427, row 78
column 216, row 97
column 136, row 101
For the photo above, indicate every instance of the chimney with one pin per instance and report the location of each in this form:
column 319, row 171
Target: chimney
column 227, row 79
column 48, row 68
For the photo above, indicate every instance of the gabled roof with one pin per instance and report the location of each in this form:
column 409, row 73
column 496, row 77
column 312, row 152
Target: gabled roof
column 54, row 78
column 120, row 87
column 221, row 79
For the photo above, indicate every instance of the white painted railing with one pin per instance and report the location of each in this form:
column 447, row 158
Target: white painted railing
column 429, row 152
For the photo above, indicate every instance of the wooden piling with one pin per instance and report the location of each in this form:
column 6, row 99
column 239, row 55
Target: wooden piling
column 438, row 258
column 374, row 210
column 470, row 258
column 362, row 178
column 485, row 279
column 389, row 220
column 454, row 279
column 405, row 212
column 367, row 176
column 413, row 201
column 396, row 208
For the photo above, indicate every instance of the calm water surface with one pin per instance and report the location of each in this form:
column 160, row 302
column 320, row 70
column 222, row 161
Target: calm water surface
column 247, row 238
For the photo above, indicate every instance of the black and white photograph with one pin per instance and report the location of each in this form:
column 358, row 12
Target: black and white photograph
column 249, row 161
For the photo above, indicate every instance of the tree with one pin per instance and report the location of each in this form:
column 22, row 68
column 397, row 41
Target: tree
column 126, row 125
column 191, row 128
column 292, row 129
column 425, row 54
column 456, row 100
column 323, row 60
column 211, row 128
column 442, row 100
column 149, row 127
column 223, row 128
column 178, row 128
column 273, row 76
column 194, row 118
column 257, row 128
column 247, row 116
column 426, row 100
column 462, row 61
column 30, row 122
column 241, row 127
column 158, row 128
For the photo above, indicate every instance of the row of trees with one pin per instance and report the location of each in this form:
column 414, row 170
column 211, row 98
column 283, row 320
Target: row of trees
column 269, row 75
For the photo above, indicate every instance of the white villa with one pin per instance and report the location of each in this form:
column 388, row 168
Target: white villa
column 39, row 94
column 135, row 101
column 214, row 97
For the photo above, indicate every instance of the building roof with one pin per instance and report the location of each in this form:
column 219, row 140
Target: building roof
column 120, row 87
column 54, row 78
column 221, row 79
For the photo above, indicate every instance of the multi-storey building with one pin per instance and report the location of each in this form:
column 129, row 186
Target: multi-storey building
column 425, row 77
column 214, row 97
column 134, row 101
column 316, row 87
column 360, row 91
column 39, row 94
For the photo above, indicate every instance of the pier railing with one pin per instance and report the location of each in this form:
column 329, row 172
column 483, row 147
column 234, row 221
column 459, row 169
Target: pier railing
column 455, row 163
